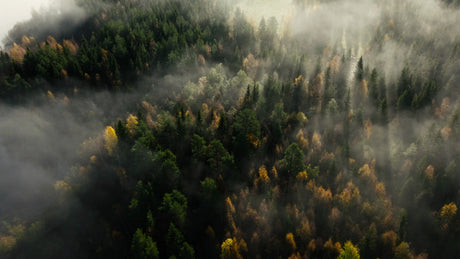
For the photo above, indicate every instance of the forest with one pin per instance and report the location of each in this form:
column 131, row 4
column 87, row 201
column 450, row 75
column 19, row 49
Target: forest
column 205, row 129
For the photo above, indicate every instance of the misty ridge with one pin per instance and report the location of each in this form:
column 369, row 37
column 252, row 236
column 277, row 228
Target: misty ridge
column 232, row 129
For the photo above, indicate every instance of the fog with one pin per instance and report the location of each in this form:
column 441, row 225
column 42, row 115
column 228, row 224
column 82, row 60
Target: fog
column 13, row 12
column 258, row 9
column 39, row 18
column 42, row 140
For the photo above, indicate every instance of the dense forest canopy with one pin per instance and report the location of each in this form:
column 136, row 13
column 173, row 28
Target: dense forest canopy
column 232, row 129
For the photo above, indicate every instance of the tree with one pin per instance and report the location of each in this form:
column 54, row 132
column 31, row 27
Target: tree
column 208, row 187
column 402, row 251
column 332, row 108
column 329, row 88
column 262, row 180
column 243, row 32
column 373, row 86
column 222, row 129
column 404, row 89
column 369, row 243
column 110, row 139
column 402, row 232
column 17, row 53
column 142, row 203
column 198, row 147
column 448, row 211
column 168, row 176
column 276, row 125
column 292, row 162
column 174, row 205
column 246, row 131
column 332, row 249
column 360, row 70
column 143, row 247
column 231, row 249
column 14, row 86
column 131, row 123
column 186, row 251
column 447, row 214
column 121, row 130
column 177, row 247
column 217, row 155
column 291, row 242
column 349, row 251
column 150, row 222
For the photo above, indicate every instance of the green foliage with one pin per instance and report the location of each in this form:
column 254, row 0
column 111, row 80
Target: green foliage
column 402, row 232
column 167, row 175
column 142, row 246
column 150, row 221
column 218, row 156
column 313, row 172
column 14, row 86
column 246, row 132
column 208, row 186
column 135, row 38
column 215, row 161
column 279, row 116
column 360, row 70
column 332, row 107
column 198, row 147
column 142, row 204
column 292, row 162
column 243, row 33
column 174, row 239
column 373, row 86
column 412, row 92
column 368, row 244
column 176, row 245
column 174, row 205
column 186, row 251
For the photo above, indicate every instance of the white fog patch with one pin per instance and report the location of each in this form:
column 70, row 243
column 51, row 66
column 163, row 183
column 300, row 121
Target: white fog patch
column 255, row 10
column 16, row 11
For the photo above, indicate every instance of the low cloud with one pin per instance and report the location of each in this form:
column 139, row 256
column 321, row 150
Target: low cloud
column 39, row 19
column 41, row 141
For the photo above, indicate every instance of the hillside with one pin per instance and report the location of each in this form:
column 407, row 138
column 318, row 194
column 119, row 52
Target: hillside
column 205, row 129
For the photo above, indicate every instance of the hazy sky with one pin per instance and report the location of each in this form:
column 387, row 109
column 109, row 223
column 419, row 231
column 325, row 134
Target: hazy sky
column 15, row 11
column 256, row 9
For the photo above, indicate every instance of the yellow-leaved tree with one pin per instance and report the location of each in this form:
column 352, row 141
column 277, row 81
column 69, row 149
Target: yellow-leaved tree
column 291, row 242
column 302, row 176
column 131, row 123
column 263, row 179
column 230, row 212
column 402, row 251
column 110, row 140
column 316, row 141
column 447, row 214
column 349, row 251
column 17, row 53
column 232, row 249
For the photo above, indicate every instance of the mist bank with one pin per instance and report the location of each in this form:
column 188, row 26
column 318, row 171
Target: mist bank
column 60, row 18
column 42, row 140
column 15, row 12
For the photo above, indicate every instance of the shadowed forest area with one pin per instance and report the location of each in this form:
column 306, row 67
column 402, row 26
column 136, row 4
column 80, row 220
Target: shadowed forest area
column 206, row 129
